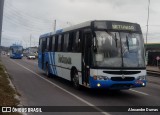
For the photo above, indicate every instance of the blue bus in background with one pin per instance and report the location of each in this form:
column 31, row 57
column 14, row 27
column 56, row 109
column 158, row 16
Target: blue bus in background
column 16, row 51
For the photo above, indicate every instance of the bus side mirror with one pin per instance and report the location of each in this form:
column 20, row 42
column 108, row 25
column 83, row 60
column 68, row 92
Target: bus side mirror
column 94, row 45
column 95, row 49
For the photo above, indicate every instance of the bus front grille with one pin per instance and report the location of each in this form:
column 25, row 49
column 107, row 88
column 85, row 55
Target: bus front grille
column 121, row 85
column 122, row 78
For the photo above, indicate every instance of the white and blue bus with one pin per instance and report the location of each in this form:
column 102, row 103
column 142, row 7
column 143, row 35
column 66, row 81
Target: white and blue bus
column 16, row 51
column 95, row 54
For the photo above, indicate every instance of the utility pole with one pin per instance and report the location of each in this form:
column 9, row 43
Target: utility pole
column 147, row 23
column 146, row 52
column 30, row 39
column 1, row 19
column 54, row 28
column 34, row 42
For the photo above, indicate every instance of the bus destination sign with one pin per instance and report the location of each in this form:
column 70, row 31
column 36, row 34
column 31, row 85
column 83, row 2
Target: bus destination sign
column 119, row 26
column 123, row 27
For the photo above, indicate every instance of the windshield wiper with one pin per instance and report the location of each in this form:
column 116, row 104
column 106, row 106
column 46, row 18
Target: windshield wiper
column 127, row 42
column 125, row 46
column 116, row 39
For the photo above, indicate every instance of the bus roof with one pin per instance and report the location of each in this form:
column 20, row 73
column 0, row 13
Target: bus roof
column 16, row 46
column 78, row 26
column 81, row 25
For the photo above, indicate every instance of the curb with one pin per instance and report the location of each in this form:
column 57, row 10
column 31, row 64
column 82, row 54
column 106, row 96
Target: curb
column 14, row 88
column 154, row 73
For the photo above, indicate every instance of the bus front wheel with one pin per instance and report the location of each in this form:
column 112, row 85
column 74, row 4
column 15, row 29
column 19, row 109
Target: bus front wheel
column 75, row 79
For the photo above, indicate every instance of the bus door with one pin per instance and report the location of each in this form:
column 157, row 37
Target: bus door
column 41, row 52
column 44, row 46
column 86, row 56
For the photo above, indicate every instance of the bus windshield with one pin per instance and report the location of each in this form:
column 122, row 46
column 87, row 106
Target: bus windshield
column 17, row 49
column 118, row 49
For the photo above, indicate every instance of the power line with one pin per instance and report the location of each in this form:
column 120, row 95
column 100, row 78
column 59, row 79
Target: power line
column 25, row 22
column 25, row 26
column 34, row 18
column 29, row 24
column 15, row 9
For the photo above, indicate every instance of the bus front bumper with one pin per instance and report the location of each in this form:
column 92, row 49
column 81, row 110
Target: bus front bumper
column 109, row 84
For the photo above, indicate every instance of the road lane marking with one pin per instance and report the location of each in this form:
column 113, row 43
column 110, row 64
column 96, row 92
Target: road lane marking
column 138, row 92
column 77, row 97
column 27, row 60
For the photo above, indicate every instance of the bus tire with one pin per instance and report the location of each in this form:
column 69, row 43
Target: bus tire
column 75, row 79
column 47, row 70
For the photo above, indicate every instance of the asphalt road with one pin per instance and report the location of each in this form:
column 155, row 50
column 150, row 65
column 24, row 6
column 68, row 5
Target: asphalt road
column 38, row 90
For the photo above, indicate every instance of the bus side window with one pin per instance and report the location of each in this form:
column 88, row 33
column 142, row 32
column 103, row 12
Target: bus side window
column 50, row 44
column 56, row 43
column 48, row 39
column 70, row 46
column 44, row 44
column 62, row 42
column 66, row 41
column 53, row 43
column 76, row 42
column 59, row 43
column 40, row 45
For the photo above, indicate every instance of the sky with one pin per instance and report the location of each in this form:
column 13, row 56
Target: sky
column 25, row 20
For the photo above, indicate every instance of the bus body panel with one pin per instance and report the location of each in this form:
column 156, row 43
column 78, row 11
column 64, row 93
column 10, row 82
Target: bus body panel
column 16, row 56
column 40, row 60
column 60, row 64
column 64, row 63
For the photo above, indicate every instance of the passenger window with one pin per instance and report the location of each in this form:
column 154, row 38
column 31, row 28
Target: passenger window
column 44, row 44
column 71, row 37
column 53, row 43
column 62, row 42
column 48, row 39
column 66, row 41
column 40, row 45
column 50, row 44
column 59, row 42
column 56, row 43
column 76, row 44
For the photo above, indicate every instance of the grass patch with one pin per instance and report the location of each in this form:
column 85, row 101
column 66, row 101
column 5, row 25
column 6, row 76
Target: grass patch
column 7, row 93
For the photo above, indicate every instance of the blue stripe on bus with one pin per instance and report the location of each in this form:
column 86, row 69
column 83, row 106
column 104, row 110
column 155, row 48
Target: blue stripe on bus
column 50, row 62
column 54, row 63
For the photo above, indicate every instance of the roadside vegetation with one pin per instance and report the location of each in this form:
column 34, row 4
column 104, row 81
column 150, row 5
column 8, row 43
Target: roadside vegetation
column 7, row 93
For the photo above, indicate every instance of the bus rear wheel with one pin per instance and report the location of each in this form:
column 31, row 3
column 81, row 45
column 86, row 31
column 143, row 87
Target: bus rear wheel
column 47, row 70
column 75, row 79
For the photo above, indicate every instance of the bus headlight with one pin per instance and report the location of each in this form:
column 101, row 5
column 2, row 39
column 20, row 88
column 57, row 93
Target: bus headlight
column 142, row 77
column 102, row 78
